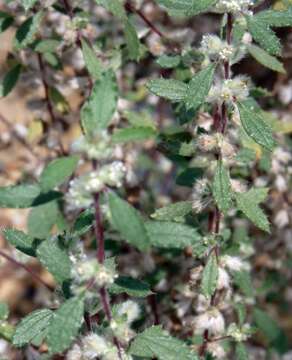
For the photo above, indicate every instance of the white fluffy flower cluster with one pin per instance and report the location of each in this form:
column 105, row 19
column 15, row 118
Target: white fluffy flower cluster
column 233, row 6
column 124, row 315
column 201, row 195
column 93, row 346
column 229, row 90
column 86, row 271
column 211, row 320
column 81, row 189
column 239, row 334
column 97, row 148
column 216, row 48
column 206, row 143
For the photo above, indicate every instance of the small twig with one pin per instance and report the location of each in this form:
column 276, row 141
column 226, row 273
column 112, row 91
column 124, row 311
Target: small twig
column 46, row 88
column 26, row 268
column 129, row 7
column 18, row 138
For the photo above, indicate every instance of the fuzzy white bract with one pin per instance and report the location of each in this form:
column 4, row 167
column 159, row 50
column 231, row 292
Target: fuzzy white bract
column 98, row 148
column 129, row 309
column 82, row 188
column 201, row 195
column 233, row 6
column 215, row 48
column 212, row 320
column 216, row 350
column 229, row 90
column 94, row 345
column 233, row 263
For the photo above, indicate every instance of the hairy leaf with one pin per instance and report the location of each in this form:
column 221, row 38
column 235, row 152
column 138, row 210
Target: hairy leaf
column 32, row 326
column 55, row 259
column 65, row 325
column 276, row 18
column 263, row 35
column 22, row 241
column 186, row 7
column 133, row 134
column 222, row 188
column 99, row 109
column 57, row 172
column 266, row 59
column 154, row 342
column 173, row 212
column 132, row 41
column 210, row 276
column 199, row 87
column 92, row 62
column 127, row 220
column 170, row 89
column 130, row 286
column 248, row 203
column 42, row 218
column 167, row 234
column 255, row 126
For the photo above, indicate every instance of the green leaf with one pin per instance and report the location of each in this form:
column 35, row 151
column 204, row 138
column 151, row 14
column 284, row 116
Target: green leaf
column 116, row 7
column 84, row 222
column 98, row 111
column 130, row 286
column 25, row 196
column 6, row 20
column 255, row 126
column 20, row 196
column 127, row 221
column 28, row 4
column 57, row 172
column 263, row 35
column 167, row 234
column 133, row 134
column 173, row 212
column 210, row 276
column 199, row 87
column 241, row 352
column 170, row 89
column 4, row 311
column 42, row 218
column 23, row 242
column 27, row 31
column 276, row 18
column 156, row 343
column 266, row 324
column 189, row 176
column 92, row 62
column 132, row 41
column 248, row 203
column 47, row 46
column 32, row 326
column 65, row 325
column 222, row 188
column 243, row 280
column 266, row 59
column 168, row 62
column 186, row 7
column 9, row 81
column 55, row 259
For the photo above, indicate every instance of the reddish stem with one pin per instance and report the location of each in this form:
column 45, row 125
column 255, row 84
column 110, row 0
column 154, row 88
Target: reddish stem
column 99, row 231
column 46, row 88
column 28, row 269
